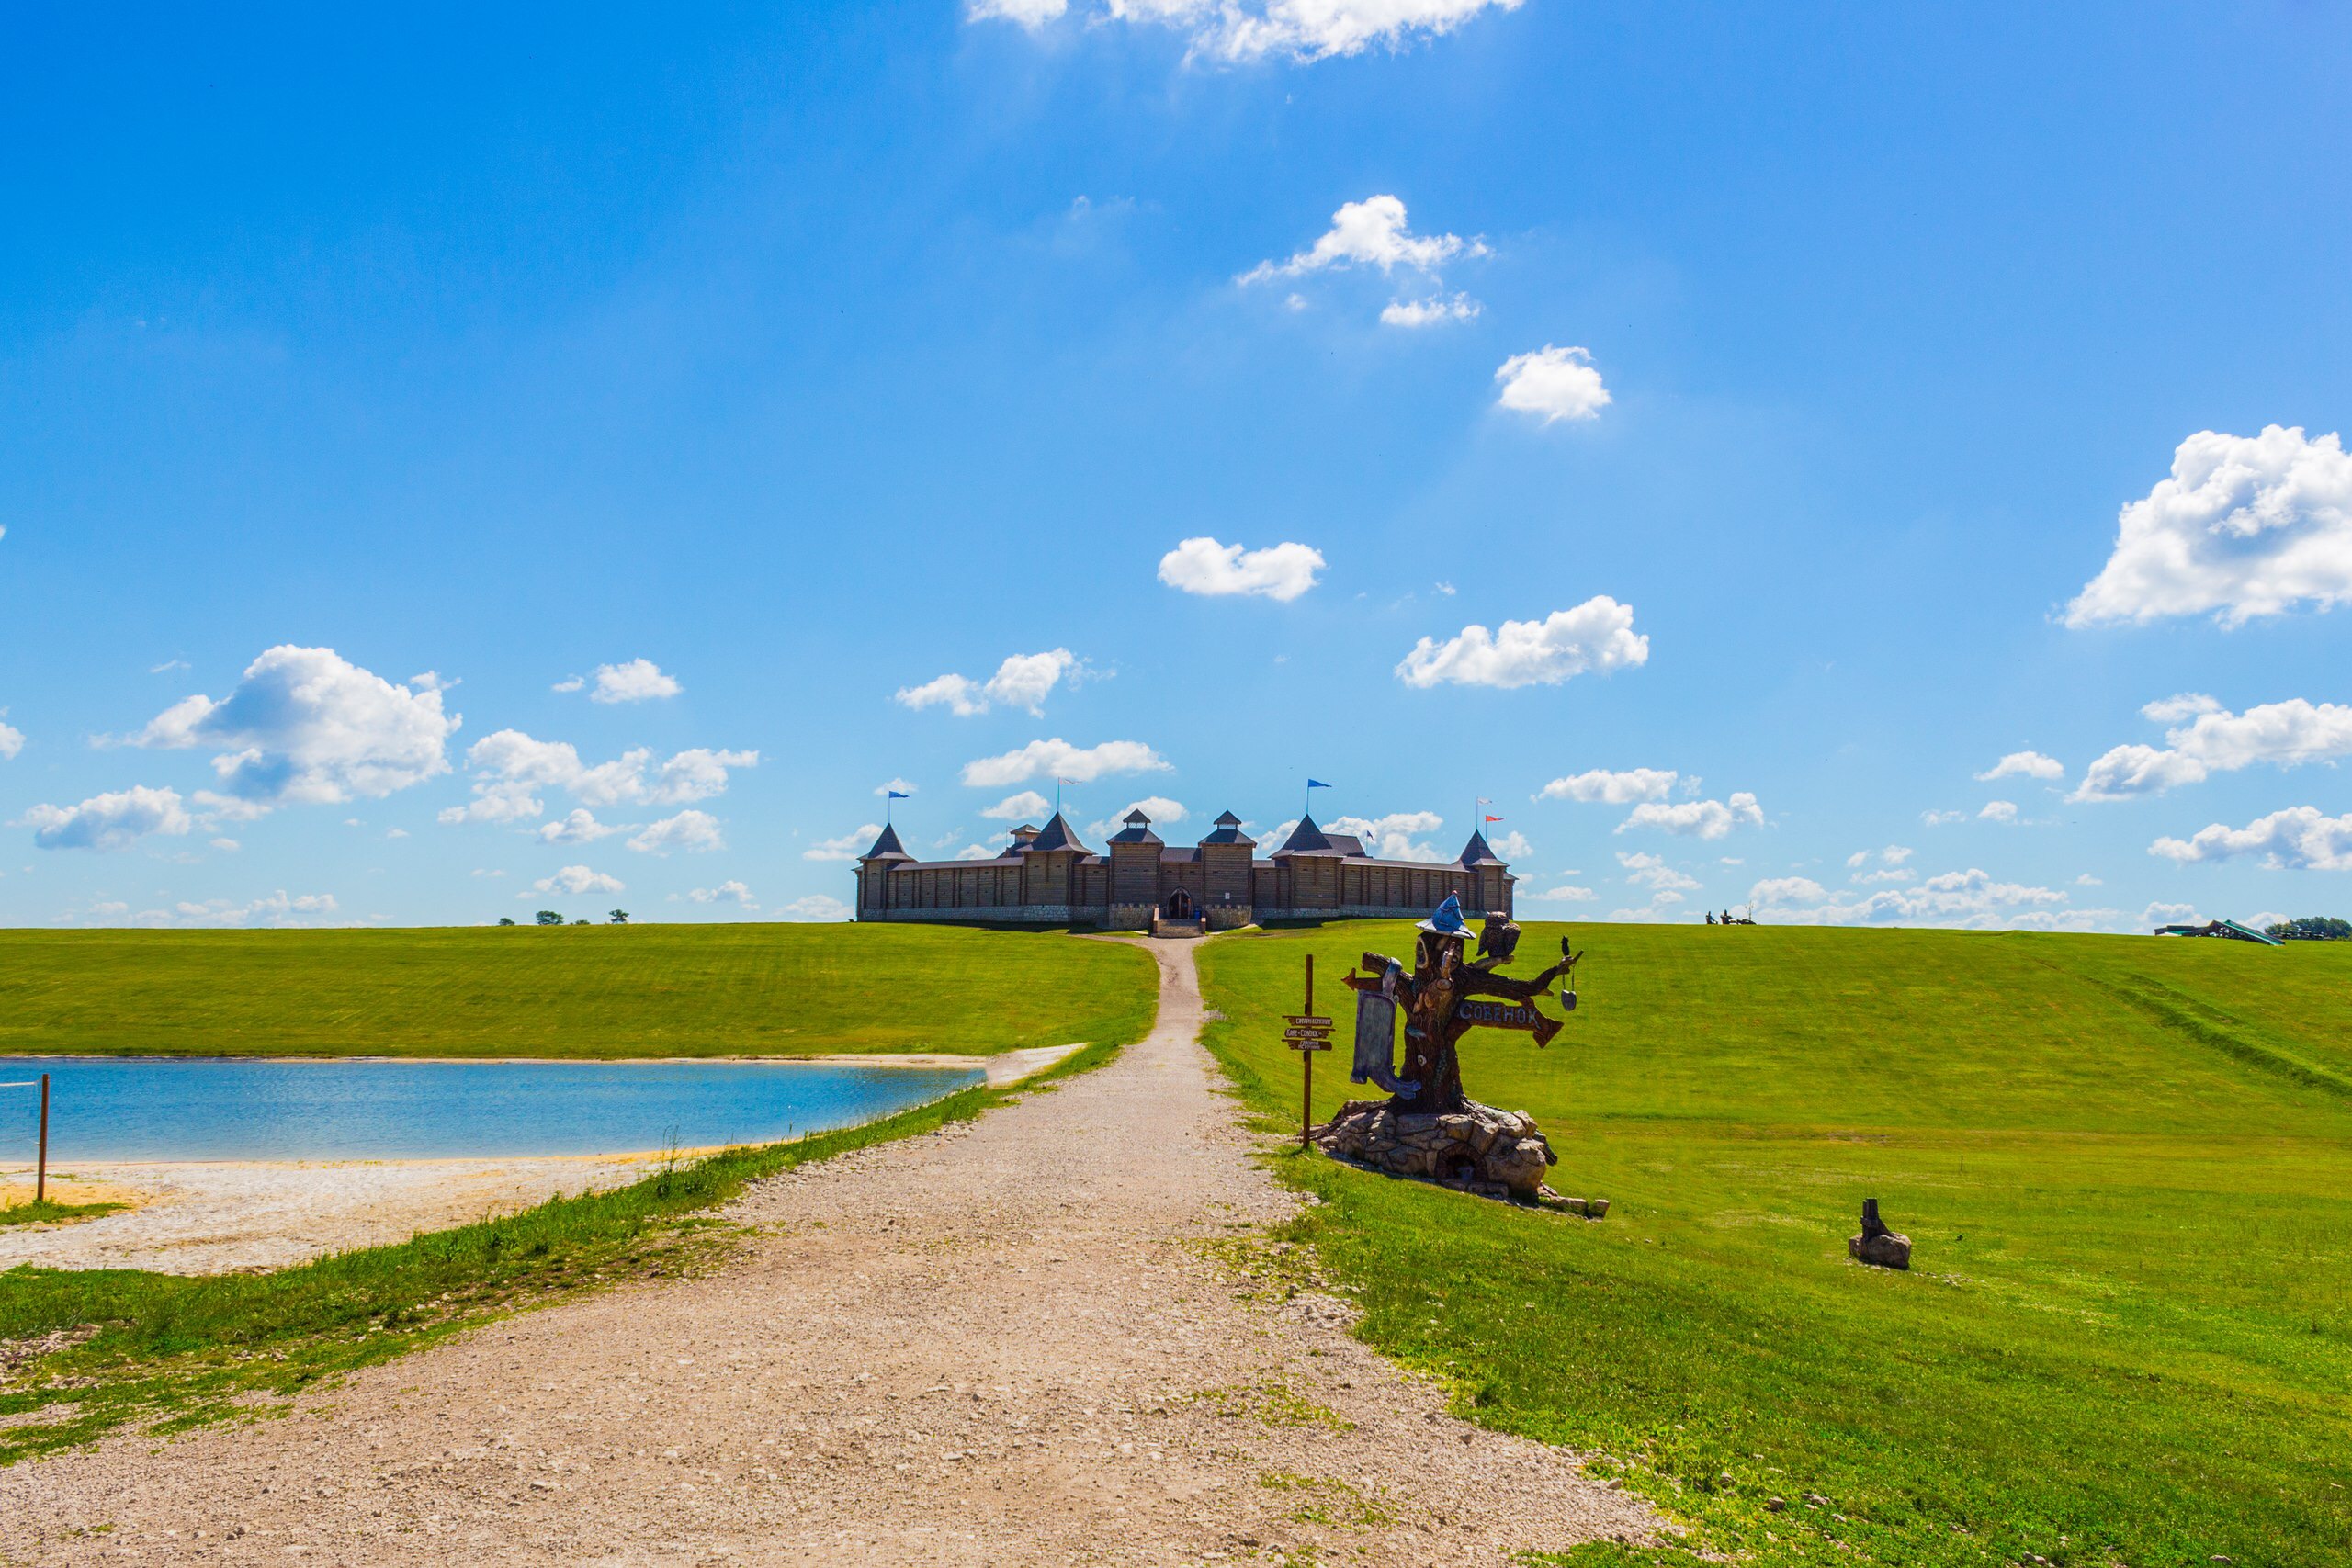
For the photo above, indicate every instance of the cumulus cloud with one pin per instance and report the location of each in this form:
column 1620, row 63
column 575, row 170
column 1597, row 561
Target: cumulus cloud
column 849, row 846
column 1391, row 837
column 1971, row 898
column 896, row 786
column 1371, row 232
column 1998, row 812
column 689, row 829
column 1022, row 680
column 1512, row 846
column 1697, row 819
column 2243, row 526
column 1600, row 786
column 818, row 907
column 638, row 680
column 2024, row 765
column 279, row 909
column 1643, row 870
column 1027, row 806
column 1435, row 311
column 111, row 821
column 512, row 771
column 1553, row 384
column 12, row 739
column 1162, row 811
column 1942, row 818
column 728, row 892
column 2301, row 838
column 1280, row 572
column 2216, row 740
column 306, row 727
column 1057, row 757
column 1566, row 893
column 1597, row 635
column 2164, row 914
column 574, row 879
column 579, row 827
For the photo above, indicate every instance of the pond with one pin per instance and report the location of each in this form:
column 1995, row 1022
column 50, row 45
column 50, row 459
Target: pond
column 151, row 1108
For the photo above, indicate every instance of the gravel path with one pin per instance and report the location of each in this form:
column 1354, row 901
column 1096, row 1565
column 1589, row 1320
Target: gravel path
column 1001, row 1344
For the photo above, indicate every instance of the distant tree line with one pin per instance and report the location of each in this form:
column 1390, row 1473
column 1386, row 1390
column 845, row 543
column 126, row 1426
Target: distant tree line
column 551, row 918
column 2312, row 928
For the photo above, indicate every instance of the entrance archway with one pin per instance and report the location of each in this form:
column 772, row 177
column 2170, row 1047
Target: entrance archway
column 1179, row 905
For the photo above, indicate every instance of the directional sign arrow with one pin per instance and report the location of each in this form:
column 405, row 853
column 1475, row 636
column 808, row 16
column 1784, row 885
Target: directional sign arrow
column 1307, row 1020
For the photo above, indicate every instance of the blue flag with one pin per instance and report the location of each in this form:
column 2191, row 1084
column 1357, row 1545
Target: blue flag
column 1316, row 784
column 901, row 795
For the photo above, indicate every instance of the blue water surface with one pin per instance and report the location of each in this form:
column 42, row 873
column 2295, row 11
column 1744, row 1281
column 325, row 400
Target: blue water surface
column 150, row 1108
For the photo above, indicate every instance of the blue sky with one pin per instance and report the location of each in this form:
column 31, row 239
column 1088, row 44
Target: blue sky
column 1818, row 405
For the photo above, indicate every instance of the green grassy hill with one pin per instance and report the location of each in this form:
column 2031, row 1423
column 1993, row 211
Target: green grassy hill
column 650, row 990
column 2126, row 1165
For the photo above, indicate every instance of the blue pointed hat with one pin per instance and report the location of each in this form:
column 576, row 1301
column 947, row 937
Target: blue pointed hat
column 1448, row 921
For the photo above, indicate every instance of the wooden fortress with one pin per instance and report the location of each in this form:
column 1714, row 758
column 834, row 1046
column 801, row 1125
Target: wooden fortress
column 1045, row 876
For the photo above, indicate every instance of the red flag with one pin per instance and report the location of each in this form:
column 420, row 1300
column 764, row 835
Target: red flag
column 1494, row 819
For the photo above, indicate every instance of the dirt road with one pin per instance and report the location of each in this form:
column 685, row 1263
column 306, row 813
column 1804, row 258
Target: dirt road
column 1004, row 1344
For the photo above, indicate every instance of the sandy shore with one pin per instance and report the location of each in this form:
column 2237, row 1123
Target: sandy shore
column 216, row 1216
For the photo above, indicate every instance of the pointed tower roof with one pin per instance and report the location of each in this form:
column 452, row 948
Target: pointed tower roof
column 1229, row 831
column 1307, row 839
column 1475, row 851
column 1137, row 829
column 887, row 847
column 1058, row 834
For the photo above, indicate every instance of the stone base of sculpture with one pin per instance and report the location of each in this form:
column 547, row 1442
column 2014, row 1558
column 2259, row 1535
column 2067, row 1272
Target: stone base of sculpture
column 1496, row 1154
column 1877, row 1245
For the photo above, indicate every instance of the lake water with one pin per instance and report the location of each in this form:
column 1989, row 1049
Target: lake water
column 148, row 1108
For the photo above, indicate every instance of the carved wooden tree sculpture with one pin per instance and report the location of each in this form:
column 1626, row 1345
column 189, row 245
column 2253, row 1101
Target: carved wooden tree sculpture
column 1434, row 997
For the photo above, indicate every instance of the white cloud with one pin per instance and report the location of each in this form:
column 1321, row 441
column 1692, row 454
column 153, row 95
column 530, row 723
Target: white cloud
column 1028, row 806
column 849, row 846
column 1554, row 383
column 1435, row 311
column 1391, row 837
column 1651, row 870
column 111, row 821
column 1998, row 812
column 511, row 770
column 1602, row 788
column 2024, row 765
column 1895, row 854
column 279, row 909
column 1163, row 812
column 639, row 680
column 1700, row 819
column 2216, row 740
column 1567, row 893
column 570, row 683
column 1598, row 635
column 12, row 739
column 396, row 832
column 1242, row 30
column 1029, row 13
column 1059, row 759
column 1857, row 858
column 1371, row 232
column 2168, row 915
column 896, row 786
column 1022, row 680
column 2299, row 838
column 1952, row 899
column 2243, row 526
column 1280, row 572
column 229, row 846
column 2087, row 880
column 689, row 829
column 975, row 851
column 1942, row 818
column 306, row 727
column 728, row 892
column 579, row 827
column 1512, row 846
column 574, row 879
column 818, row 907
column 1893, row 876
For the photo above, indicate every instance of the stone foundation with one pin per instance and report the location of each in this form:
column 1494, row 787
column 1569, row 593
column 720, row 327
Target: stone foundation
column 1496, row 1154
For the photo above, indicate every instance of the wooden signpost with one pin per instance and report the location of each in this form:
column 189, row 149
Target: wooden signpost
column 1307, row 1035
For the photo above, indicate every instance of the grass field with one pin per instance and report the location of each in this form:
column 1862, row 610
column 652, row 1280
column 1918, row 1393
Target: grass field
column 2126, row 1165
column 650, row 990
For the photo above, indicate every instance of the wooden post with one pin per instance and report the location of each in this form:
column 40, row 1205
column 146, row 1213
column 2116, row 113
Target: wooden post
column 41, row 1167
column 1306, row 1062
